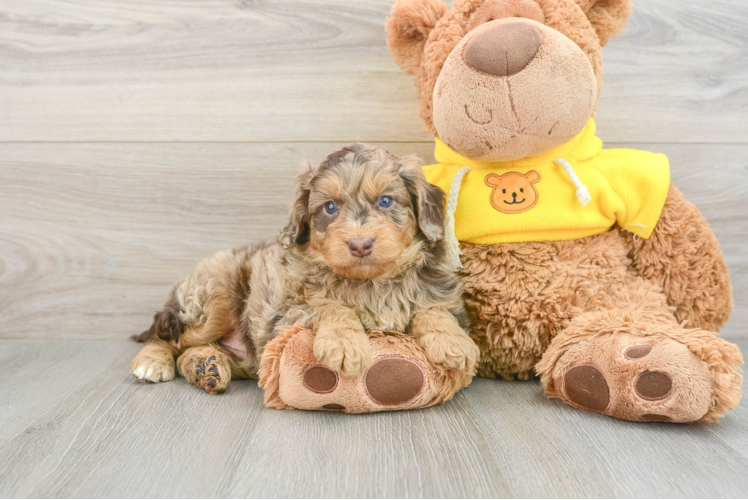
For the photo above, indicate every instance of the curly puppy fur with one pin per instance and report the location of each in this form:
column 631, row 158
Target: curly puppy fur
column 319, row 274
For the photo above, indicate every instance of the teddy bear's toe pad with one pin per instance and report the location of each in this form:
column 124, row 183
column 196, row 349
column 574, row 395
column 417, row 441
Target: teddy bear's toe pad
column 653, row 385
column 393, row 381
column 401, row 376
column 586, row 386
column 624, row 377
column 320, row 379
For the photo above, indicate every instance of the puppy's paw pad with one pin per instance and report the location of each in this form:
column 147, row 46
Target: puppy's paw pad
column 208, row 376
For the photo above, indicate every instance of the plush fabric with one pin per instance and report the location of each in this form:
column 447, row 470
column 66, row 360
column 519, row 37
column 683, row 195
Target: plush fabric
column 500, row 119
column 627, row 187
column 400, row 377
column 620, row 322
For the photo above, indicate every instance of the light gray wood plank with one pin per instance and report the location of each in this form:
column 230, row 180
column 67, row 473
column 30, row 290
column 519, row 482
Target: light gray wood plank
column 106, row 435
column 550, row 449
column 294, row 70
column 115, row 437
column 94, row 235
column 678, row 74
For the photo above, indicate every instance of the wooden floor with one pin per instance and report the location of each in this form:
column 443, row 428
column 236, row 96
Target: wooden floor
column 137, row 138
column 75, row 424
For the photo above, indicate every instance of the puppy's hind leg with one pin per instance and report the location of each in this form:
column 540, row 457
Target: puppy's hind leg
column 206, row 367
column 154, row 362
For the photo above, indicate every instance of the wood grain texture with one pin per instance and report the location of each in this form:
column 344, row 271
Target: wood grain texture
column 94, row 235
column 74, row 423
column 294, row 70
column 137, row 138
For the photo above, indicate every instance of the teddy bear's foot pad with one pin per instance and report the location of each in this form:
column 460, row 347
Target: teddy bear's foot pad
column 586, row 386
column 393, row 381
column 401, row 376
column 624, row 377
column 389, row 381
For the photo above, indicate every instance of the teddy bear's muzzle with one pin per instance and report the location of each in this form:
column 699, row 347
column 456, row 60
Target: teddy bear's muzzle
column 513, row 88
column 504, row 49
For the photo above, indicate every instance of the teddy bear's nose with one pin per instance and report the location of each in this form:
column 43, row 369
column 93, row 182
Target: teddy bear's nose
column 504, row 49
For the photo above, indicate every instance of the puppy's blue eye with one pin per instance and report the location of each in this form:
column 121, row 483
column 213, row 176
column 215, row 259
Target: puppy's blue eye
column 331, row 208
column 385, row 202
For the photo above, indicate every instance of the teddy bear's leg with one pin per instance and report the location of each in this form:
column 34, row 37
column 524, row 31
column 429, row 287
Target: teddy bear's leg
column 635, row 362
column 206, row 367
column 694, row 274
column 401, row 376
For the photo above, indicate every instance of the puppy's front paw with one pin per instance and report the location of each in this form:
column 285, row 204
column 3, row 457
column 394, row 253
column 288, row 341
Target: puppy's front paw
column 151, row 369
column 452, row 350
column 346, row 351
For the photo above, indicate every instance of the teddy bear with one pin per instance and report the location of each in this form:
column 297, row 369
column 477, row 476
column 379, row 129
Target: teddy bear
column 583, row 266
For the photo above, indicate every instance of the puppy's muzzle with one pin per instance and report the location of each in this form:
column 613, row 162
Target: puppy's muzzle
column 360, row 246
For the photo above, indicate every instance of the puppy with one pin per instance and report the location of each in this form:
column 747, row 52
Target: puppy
column 363, row 249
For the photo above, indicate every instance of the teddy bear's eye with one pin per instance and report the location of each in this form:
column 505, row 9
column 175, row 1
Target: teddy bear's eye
column 521, row 190
column 503, row 191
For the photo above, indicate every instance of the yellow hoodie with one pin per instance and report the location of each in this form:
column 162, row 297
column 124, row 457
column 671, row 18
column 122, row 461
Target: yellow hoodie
column 576, row 190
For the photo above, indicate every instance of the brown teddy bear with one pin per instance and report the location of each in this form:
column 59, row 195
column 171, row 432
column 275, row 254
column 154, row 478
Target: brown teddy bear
column 582, row 265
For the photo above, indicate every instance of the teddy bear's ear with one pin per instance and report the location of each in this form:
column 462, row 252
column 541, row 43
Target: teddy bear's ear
column 608, row 17
column 408, row 27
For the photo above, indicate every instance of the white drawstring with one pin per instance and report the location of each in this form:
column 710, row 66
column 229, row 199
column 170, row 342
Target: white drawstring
column 636, row 234
column 583, row 194
column 453, row 246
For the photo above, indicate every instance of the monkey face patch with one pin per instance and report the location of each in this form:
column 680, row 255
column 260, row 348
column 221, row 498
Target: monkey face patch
column 513, row 192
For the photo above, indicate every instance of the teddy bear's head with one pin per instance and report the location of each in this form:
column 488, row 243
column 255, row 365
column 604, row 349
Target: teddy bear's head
column 501, row 80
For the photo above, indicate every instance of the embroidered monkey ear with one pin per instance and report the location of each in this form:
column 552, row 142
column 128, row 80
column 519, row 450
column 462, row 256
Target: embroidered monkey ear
column 532, row 176
column 408, row 27
column 608, row 17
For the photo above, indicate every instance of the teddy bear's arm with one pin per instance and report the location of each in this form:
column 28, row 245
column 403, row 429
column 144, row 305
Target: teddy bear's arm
column 683, row 257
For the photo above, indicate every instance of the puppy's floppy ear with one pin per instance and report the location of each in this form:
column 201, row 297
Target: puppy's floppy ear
column 608, row 17
column 408, row 27
column 427, row 199
column 296, row 231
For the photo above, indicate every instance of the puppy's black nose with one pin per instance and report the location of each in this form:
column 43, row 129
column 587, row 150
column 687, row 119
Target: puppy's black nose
column 360, row 246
